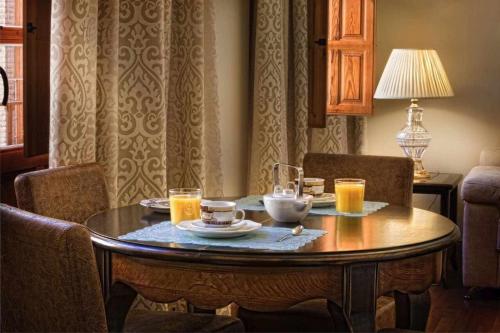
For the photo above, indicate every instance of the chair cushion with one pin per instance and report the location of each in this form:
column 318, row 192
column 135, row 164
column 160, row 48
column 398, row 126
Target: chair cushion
column 156, row 321
column 482, row 185
column 490, row 156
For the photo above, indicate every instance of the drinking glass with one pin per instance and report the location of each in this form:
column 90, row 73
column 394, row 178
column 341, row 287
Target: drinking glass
column 184, row 204
column 349, row 194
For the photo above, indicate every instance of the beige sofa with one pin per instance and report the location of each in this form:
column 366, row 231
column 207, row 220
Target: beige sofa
column 481, row 224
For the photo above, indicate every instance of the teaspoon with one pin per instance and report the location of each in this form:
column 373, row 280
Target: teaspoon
column 295, row 232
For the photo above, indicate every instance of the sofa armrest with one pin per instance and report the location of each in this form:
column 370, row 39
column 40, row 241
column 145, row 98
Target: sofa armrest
column 490, row 156
column 482, row 185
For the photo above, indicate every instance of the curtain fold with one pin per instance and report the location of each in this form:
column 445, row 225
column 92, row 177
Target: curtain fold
column 280, row 96
column 134, row 87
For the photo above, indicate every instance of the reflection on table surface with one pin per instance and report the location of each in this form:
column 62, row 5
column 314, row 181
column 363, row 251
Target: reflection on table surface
column 390, row 227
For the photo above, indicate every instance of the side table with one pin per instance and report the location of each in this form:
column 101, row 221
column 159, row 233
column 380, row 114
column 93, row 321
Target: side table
column 444, row 184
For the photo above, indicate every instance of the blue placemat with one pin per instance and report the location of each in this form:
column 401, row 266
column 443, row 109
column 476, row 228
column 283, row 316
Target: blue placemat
column 263, row 239
column 252, row 203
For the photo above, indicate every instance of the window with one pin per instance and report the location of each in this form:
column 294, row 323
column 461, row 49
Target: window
column 11, row 60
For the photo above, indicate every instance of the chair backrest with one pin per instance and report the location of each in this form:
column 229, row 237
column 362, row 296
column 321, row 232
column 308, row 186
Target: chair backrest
column 71, row 193
column 388, row 179
column 49, row 276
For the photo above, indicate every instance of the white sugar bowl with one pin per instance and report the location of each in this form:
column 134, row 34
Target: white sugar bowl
column 287, row 208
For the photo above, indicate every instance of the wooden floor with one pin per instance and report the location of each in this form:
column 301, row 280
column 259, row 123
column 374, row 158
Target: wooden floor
column 451, row 313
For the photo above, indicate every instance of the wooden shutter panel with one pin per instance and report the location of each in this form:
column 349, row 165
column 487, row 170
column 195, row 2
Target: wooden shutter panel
column 36, row 76
column 345, row 63
column 317, row 35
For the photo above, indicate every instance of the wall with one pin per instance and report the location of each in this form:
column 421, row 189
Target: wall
column 466, row 35
column 232, row 36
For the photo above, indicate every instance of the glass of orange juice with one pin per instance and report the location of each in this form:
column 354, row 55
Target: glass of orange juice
column 184, row 204
column 349, row 195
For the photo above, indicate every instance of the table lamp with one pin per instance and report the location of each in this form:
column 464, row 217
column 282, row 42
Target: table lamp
column 413, row 74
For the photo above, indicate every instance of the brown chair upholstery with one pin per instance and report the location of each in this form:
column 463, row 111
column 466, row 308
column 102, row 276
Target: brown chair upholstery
column 50, row 283
column 71, row 193
column 49, row 275
column 388, row 179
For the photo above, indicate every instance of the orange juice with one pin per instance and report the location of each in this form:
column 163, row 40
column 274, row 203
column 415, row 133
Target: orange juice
column 184, row 205
column 349, row 194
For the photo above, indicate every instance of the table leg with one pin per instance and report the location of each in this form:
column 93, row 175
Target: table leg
column 339, row 317
column 360, row 299
column 118, row 305
column 452, row 215
column 445, row 203
column 103, row 259
column 412, row 310
column 453, row 204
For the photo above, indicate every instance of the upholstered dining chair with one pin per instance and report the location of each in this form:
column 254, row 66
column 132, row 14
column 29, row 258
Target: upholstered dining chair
column 70, row 193
column 50, row 283
column 388, row 179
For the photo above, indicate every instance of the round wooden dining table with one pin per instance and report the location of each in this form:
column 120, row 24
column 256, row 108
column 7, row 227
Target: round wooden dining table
column 395, row 250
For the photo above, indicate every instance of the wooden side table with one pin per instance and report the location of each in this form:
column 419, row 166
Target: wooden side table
column 444, row 184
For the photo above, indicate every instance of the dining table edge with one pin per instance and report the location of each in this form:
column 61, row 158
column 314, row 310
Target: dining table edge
column 285, row 258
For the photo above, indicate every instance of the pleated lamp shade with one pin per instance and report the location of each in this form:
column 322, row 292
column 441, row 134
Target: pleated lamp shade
column 413, row 74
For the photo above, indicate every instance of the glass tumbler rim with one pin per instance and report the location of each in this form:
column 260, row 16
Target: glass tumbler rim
column 350, row 180
column 184, row 190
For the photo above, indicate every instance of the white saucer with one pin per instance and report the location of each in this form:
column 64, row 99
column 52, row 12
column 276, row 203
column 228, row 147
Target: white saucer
column 159, row 205
column 248, row 227
column 233, row 226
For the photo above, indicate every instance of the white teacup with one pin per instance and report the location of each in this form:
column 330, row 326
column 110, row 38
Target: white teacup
column 220, row 213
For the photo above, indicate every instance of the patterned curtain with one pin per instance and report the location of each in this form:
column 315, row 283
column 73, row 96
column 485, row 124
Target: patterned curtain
column 279, row 96
column 134, row 87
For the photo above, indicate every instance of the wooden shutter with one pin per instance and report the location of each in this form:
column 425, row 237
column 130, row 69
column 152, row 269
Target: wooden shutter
column 36, row 76
column 341, row 58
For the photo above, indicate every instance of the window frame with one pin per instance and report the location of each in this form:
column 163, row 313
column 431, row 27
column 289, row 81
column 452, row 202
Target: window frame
column 14, row 35
column 12, row 156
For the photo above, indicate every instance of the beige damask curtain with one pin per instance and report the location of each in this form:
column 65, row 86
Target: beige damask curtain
column 279, row 101
column 134, row 87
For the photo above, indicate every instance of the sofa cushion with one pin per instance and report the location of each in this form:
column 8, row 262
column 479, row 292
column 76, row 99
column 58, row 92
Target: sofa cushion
column 482, row 185
column 490, row 156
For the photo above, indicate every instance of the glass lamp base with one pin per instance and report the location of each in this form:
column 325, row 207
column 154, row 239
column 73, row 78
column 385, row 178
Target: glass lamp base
column 414, row 139
column 419, row 171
